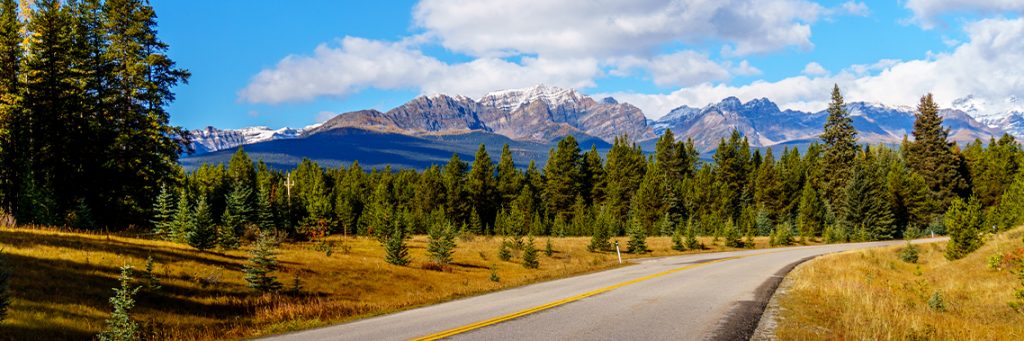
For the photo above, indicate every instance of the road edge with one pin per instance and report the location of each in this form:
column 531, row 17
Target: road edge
column 745, row 318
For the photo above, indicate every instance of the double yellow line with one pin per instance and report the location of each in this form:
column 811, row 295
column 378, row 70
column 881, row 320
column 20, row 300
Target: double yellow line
column 521, row 313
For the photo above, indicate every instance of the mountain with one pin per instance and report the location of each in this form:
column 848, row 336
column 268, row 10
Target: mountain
column 538, row 114
column 212, row 139
column 1007, row 116
column 764, row 125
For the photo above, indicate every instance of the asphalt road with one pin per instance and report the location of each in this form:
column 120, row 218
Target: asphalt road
column 716, row 296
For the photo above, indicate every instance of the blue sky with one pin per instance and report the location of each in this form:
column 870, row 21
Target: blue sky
column 294, row 63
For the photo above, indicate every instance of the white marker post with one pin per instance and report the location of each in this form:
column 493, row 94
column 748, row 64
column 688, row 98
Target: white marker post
column 617, row 251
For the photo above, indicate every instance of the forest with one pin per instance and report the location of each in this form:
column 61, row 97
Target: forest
column 835, row 190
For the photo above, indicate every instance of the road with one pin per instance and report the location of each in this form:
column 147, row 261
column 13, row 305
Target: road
column 711, row 296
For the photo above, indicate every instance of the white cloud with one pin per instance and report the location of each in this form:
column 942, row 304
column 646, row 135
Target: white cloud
column 814, row 69
column 855, row 8
column 361, row 63
column 605, row 28
column 987, row 66
column 926, row 12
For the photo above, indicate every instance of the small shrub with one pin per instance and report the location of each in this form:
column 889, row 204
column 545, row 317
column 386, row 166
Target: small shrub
column 152, row 283
column 677, row 241
column 548, row 248
column 909, row 253
column 503, row 251
column 637, row 238
column 262, row 262
column 995, row 262
column 783, row 235
column 530, row 255
column 936, row 302
column 494, row 274
column 296, row 288
column 325, row 246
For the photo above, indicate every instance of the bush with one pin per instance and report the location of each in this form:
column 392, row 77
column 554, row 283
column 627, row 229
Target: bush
column 548, row 248
column 783, row 235
column 503, row 251
column 677, row 241
column 494, row 274
column 909, row 254
column 936, row 302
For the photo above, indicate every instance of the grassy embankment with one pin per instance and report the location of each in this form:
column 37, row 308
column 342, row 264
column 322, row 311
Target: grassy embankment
column 62, row 281
column 873, row 295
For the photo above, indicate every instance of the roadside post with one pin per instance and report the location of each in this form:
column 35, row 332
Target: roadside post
column 617, row 251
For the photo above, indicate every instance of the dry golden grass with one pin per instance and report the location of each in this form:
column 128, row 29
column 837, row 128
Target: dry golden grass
column 62, row 281
column 873, row 295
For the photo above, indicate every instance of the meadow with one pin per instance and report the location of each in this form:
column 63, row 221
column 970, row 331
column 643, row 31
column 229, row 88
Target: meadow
column 873, row 294
column 62, row 281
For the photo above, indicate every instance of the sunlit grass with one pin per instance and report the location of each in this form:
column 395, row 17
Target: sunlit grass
column 873, row 295
column 62, row 281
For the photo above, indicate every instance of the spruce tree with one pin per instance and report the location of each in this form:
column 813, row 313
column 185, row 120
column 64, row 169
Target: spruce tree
column 163, row 212
column 457, row 202
column 732, row 168
column 594, row 177
column 530, row 254
column 562, row 173
column 395, row 250
column 840, row 149
column 677, row 241
column 481, row 185
column 963, row 222
column 931, row 155
column 510, row 180
column 203, row 234
column 731, row 234
column 810, row 214
column 866, row 206
column 120, row 325
column 691, row 242
column 441, row 243
column 183, row 220
column 12, row 114
column 475, row 225
column 625, row 168
column 637, row 237
column 258, row 272
column 264, row 209
column 599, row 240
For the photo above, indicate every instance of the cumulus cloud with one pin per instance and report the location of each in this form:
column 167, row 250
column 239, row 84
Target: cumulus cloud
column 855, row 8
column 926, row 13
column 987, row 66
column 814, row 69
column 605, row 28
column 361, row 63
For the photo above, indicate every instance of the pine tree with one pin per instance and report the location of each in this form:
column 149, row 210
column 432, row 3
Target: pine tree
column 732, row 167
column 963, row 224
column 931, row 155
column 594, row 177
column 264, row 209
column 1010, row 211
column 441, row 243
column 5, row 287
column 510, row 180
column 810, row 214
column 840, row 149
column 120, row 325
column 691, row 242
column 457, row 203
column 624, row 171
column 530, row 254
column 637, row 237
column 549, row 248
column 475, row 225
column 562, row 173
column 731, row 234
column 183, row 221
column 395, row 250
column 203, row 234
column 237, row 215
column 677, row 241
column 599, row 240
column 12, row 113
column 258, row 272
column 866, row 206
column 482, row 187
column 503, row 251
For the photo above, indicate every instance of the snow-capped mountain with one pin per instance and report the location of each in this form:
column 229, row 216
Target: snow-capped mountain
column 764, row 125
column 1007, row 116
column 539, row 113
column 211, row 139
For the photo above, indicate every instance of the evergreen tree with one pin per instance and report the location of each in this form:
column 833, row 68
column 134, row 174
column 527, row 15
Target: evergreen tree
column 441, row 243
column 963, row 223
column 810, row 217
column 503, row 251
column 593, row 176
column 677, row 241
column 264, row 209
column 183, row 220
column 1010, row 211
column 482, row 186
column 731, row 234
column 144, row 151
column 840, row 149
column 457, row 203
column 237, row 211
column 866, row 205
column 647, row 204
column 510, row 180
column 931, row 155
column 599, row 240
column 732, row 167
column 691, row 237
column 241, row 170
column 563, row 177
column 203, row 234
column 624, row 170
column 475, row 226
column 530, row 254
column 395, row 250
column 637, row 237
column 120, row 325
column 12, row 114
column 258, row 272
column 163, row 213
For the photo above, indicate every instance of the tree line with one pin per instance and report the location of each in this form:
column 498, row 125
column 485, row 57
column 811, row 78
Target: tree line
column 85, row 139
column 837, row 190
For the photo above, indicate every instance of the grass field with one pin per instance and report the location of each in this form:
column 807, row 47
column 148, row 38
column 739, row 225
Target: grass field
column 62, row 281
column 873, row 295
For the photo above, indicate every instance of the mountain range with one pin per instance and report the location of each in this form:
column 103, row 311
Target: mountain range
column 428, row 129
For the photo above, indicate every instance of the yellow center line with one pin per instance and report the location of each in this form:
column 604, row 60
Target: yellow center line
column 521, row 313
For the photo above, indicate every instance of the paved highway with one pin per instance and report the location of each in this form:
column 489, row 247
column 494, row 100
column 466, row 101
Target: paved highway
column 711, row 296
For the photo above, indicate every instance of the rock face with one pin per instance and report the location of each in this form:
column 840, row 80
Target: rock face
column 539, row 113
column 765, row 125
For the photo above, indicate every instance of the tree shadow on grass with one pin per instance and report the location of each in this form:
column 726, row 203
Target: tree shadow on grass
column 26, row 239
